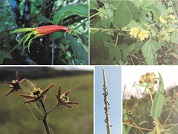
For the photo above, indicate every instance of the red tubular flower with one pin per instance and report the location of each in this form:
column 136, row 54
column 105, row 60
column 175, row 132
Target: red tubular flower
column 44, row 30
column 37, row 32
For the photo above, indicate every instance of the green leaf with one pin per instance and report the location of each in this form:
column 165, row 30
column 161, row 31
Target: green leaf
column 149, row 50
column 115, row 54
column 125, row 115
column 127, row 50
column 142, row 123
column 134, row 10
column 124, row 130
column 4, row 55
column 138, row 46
column 79, row 9
column 98, row 38
column 174, row 38
column 161, row 84
column 36, row 107
column 148, row 3
column 93, row 4
column 159, row 100
column 157, row 13
column 126, row 11
column 43, row 19
column 80, row 50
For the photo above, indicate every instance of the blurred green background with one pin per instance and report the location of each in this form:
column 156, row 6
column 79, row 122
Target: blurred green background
column 16, row 118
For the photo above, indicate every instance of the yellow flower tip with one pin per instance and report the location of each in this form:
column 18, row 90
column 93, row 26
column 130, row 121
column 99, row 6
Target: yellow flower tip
column 168, row 38
column 171, row 16
column 171, row 30
column 162, row 20
column 143, row 35
column 134, row 32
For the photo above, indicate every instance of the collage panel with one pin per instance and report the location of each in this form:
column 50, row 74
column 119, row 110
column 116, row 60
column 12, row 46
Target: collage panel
column 46, row 100
column 133, row 32
column 44, row 32
column 104, row 94
column 150, row 99
column 107, row 100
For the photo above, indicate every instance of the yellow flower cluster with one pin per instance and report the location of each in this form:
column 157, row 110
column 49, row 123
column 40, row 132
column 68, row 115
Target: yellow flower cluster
column 162, row 20
column 150, row 80
column 147, row 78
column 171, row 16
column 169, row 27
column 139, row 33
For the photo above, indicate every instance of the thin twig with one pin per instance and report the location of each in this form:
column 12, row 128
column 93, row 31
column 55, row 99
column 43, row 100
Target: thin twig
column 80, row 24
column 52, row 50
column 52, row 108
column 168, row 115
column 138, row 127
column 40, row 11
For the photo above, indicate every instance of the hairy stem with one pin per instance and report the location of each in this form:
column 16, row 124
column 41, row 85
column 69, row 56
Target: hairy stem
column 46, row 126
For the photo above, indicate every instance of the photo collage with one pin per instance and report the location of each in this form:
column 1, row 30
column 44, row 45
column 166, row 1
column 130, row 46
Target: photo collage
column 88, row 67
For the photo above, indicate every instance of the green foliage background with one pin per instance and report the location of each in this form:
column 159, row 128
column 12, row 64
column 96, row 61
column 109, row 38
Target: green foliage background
column 140, row 110
column 70, row 49
column 111, row 22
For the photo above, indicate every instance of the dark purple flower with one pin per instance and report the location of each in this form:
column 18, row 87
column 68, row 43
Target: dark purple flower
column 63, row 99
column 14, row 85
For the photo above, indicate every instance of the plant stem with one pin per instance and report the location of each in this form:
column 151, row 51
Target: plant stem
column 151, row 97
column 95, row 14
column 80, row 24
column 168, row 116
column 52, row 108
column 52, row 50
column 46, row 126
column 107, row 120
column 102, row 29
column 44, row 120
column 138, row 127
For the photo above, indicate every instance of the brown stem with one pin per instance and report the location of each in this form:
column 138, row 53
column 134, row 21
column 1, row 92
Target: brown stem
column 46, row 126
column 139, row 127
column 167, row 125
column 52, row 108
